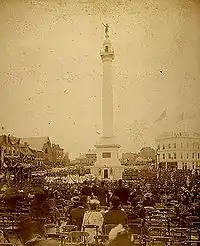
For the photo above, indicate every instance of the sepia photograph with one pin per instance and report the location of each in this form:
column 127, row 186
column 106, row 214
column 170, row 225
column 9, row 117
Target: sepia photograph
column 100, row 122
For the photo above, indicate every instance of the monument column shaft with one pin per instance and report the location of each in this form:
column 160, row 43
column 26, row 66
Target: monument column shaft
column 107, row 99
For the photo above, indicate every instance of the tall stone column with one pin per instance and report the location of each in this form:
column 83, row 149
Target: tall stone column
column 107, row 165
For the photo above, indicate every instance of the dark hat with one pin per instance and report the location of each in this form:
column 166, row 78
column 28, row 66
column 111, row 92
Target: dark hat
column 115, row 201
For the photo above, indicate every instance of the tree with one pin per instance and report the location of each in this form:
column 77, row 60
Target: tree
column 148, row 153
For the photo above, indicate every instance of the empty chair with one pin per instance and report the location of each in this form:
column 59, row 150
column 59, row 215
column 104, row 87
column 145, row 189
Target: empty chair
column 77, row 238
column 68, row 228
column 155, row 222
column 50, row 229
column 7, row 244
column 161, row 241
column 190, row 243
column 179, row 234
column 157, row 231
column 135, row 228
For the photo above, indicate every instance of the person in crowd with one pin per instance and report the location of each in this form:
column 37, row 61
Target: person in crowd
column 103, row 194
column 86, row 190
column 148, row 201
column 33, row 234
column 115, row 215
column 93, row 217
column 122, row 192
column 95, row 189
column 77, row 213
column 118, row 236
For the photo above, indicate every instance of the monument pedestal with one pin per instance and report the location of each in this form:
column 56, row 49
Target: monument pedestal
column 107, row 166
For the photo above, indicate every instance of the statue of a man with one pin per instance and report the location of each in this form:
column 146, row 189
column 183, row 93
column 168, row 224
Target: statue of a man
column 106, row 29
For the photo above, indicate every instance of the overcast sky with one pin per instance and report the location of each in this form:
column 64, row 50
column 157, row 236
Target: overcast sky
column 51, row 71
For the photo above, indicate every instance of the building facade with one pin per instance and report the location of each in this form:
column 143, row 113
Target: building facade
column 42, row 149
column 58, row 155
column 179, row 150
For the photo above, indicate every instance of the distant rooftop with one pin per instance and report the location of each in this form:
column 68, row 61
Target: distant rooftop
column 36, row 143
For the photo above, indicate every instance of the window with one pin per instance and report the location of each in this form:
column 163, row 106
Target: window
column 106, row 48
column 193, row 155
column 182, row 165
column 159, row 146
column 193, row 145
column 163, row 156
column 106, row 155
column 193, row 166
column 169, row 146
column 163, row 146
column 187, row 155
column 181, row 155
column 46, row 151
column 181, row 145
column 198, row 155
column 174, row 155
column 174, row 145
column 169, row 156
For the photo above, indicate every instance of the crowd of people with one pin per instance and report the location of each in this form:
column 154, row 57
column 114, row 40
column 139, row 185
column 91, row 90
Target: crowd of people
column 101, row 203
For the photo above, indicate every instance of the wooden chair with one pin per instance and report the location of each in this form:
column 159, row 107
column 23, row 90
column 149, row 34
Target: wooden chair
column 77, row 238
column 154, row 223
column 192, row 243
column 94, row 228
column 101, row 239
column 195, row 229
column 7, row 244
column 50, row 229
column 157, row 231
column 68, row 228
column 161, row 241
column 179, row 234
column 136, row 239
column 135, row 228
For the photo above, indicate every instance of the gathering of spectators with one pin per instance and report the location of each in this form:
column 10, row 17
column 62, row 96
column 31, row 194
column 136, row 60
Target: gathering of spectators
column 104, row 203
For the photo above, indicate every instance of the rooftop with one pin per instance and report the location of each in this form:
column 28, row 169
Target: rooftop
column 36, row 143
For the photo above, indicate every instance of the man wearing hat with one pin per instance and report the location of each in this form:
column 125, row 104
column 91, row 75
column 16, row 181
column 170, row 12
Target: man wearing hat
column 77, row 213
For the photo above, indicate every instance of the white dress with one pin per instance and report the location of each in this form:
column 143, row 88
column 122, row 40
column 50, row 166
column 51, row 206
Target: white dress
column 93, row 218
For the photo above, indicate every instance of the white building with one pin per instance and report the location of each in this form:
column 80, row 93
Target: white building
column 178, row 150
column 107, row 165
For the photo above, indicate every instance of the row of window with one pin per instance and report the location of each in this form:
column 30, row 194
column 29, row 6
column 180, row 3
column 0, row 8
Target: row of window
column 185, row 166
column 12, row 151
column 174, row 145
column 173, row 156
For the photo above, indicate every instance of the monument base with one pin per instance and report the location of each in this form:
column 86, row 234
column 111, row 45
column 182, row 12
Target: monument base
column 107, row 166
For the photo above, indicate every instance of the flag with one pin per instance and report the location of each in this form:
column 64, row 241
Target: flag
column 180, row 118
column 162, row 116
